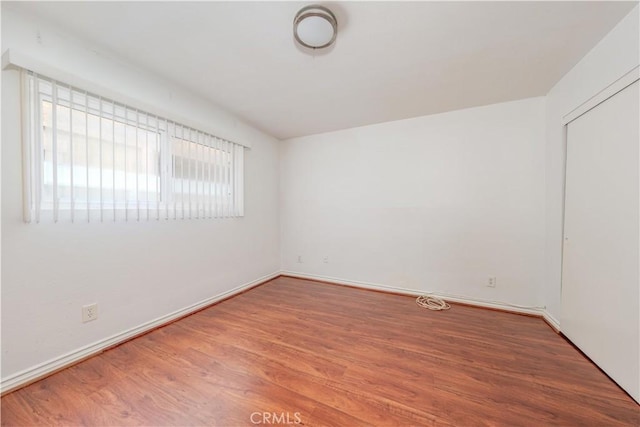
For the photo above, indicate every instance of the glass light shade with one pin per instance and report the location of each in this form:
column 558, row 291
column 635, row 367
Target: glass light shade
column 315, row 31
column 315, row 27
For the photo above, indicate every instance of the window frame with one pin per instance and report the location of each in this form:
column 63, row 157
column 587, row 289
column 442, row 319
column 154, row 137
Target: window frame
column 225, row 174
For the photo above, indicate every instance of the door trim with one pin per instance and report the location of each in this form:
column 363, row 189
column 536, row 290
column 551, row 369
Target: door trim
column 627, row 79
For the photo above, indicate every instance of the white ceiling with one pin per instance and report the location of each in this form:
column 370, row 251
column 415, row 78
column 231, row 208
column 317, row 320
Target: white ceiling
column 392, row 60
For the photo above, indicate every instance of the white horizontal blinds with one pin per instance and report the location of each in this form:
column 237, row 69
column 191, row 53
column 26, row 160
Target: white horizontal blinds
column 90, row 158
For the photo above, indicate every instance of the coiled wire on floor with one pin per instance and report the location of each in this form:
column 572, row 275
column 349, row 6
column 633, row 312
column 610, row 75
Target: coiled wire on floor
column 432, row 303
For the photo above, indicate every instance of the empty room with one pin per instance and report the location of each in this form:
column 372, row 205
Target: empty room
column 320, row 214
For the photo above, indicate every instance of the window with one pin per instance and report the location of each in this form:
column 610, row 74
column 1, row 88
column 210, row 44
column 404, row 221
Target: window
column 90, row 158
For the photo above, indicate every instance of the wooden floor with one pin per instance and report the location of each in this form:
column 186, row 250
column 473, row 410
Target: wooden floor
column 331, row 355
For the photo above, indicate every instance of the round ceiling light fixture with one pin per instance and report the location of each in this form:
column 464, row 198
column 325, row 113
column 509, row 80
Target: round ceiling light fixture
column 315, row 27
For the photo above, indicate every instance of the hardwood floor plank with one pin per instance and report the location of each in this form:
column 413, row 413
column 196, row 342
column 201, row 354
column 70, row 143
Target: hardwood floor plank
column 332, row 356
column 16, row 411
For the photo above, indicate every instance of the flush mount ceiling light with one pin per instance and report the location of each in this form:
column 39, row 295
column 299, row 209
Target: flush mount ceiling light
column 315, row 27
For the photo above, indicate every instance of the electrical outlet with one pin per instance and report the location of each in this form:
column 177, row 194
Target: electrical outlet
column 326, row 260
column 299, row 259
column 89, row 312
column 491, row 282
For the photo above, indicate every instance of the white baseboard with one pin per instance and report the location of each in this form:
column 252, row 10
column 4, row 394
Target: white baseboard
column 504, row 306
column 43, row 369
column 552, row 321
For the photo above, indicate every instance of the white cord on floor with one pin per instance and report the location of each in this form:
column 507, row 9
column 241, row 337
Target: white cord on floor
column 432, row 303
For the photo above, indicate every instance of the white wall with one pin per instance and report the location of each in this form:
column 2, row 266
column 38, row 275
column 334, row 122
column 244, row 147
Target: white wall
column 612, row 57
column 435, row 203
column 136, row 272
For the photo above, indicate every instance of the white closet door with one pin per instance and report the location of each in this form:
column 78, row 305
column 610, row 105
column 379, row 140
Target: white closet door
column 601, row 268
